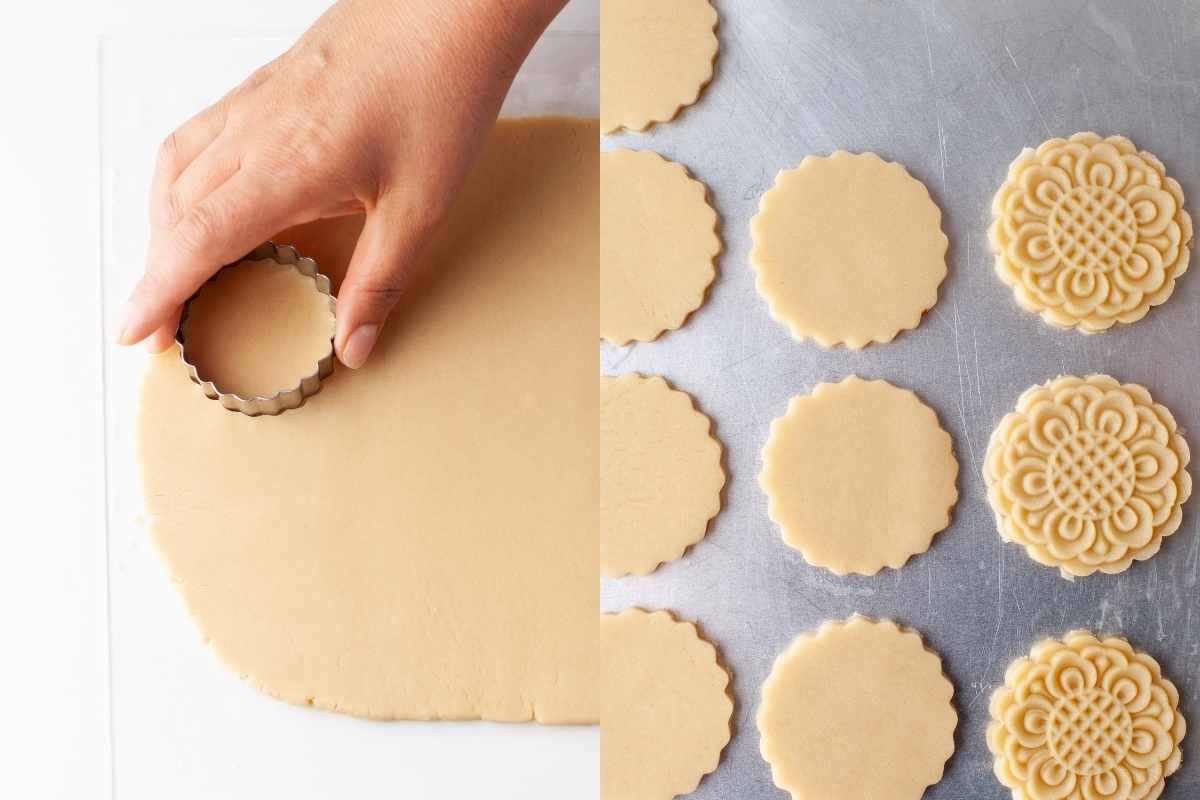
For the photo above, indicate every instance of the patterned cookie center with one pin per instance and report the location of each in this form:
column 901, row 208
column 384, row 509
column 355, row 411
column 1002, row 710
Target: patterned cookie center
column 1089, row 732
column 1093, row 229
column 1091, row 475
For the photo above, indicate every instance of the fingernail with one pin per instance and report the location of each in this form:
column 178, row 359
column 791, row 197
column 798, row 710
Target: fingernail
column 359, row 345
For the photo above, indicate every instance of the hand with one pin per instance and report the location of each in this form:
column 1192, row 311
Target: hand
column 382, row 106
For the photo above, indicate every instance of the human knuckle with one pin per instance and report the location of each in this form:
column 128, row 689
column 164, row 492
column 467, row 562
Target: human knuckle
column 198, row 229
column 381, row 290
column 170, row 210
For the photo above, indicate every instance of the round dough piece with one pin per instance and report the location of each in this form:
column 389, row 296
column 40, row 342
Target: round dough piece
column 655, row 57
column 1084, row 719
column 251, row 348
column 860, row 710
column 664, row 711
column 849, row 249
column 1088, row 474
column 657, row 244
column 1089, row 232
column 660, row 474
column 859, row 476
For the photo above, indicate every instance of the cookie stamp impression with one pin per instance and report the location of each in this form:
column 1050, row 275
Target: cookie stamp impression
column 1085, row 718
column 860, row 710
column 657, row 244
column 859, row 476
column 1088, row 474
column 664, row 711
column 848, row 249
column 655, row 57
column 1089, row 232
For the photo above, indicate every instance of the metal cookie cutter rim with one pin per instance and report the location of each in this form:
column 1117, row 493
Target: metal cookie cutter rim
column 284, row 399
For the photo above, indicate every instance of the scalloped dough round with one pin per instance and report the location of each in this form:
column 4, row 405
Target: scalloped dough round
column 1087, row 474
column 664, row 710
column 660, row 474
column 655, row 57
column 1090, row 232
column 657, row 244
column 859, row 475
column 849, row 249
column 860, row 710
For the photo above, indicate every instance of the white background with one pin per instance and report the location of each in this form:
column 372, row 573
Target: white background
column 109, row 691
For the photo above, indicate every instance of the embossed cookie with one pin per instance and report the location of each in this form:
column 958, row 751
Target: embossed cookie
column 860, row 710
column 1089, row 232
column 1085, row 719
column 1088, row 474
column 859, row 476
column 848, row 249
column 664, row 710
column 657, row 244
column 660, row 474
column 655, row 57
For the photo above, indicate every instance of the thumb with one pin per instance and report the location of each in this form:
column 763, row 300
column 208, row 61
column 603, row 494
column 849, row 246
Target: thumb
column 379, row 271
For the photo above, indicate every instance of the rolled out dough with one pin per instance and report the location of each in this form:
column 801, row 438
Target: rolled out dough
column 859, row 475
column 860, row 710
column 660, row 474
column 849, row 249
column 419, row 540
column 258, row 328
column 664, row 707
column 655, row 57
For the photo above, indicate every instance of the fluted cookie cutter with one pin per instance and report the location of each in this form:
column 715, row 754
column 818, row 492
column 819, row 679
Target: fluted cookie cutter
column 285, row 398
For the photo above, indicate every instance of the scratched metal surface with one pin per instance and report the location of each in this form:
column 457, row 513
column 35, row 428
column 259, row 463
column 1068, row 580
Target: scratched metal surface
column 954, row 90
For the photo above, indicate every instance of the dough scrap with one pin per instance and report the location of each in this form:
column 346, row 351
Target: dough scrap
column 251, row 348
column 664, row 708
column 849, row 249
column 655, row 57
column 859, row 475
column 860, row 710
column 419, row 540
column 660, row 474
column 1085, row 718
column 1089, row 232
column 657, row 244
column 1088, row 474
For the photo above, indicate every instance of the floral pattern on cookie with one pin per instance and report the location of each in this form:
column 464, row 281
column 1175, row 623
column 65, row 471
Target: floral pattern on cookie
column 1090, row 232
column 1088, row 474
column 1084, row 719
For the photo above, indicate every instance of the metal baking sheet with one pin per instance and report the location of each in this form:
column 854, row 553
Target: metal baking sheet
column 953, row 90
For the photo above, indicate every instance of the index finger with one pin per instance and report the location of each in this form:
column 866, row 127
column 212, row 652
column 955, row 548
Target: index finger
column 246, row 210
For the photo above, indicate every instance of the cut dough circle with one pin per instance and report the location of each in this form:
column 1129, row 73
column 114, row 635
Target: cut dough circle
column 860, row 710
column 849, row 249
column 655, row 57
column 419, row 540
column 1089, row 232
column 251, row 348
column 660, row 474
column 859, row 476
column 1083, row 719
column 664, row 708
column 1088, row 474
column 658, row 241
